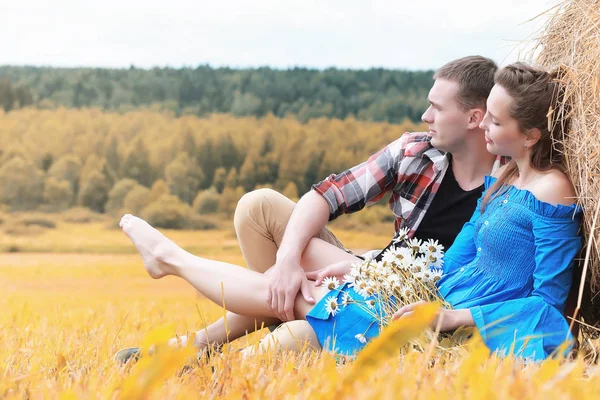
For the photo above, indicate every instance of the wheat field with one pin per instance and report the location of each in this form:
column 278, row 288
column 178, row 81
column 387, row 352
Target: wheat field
column 64, row 314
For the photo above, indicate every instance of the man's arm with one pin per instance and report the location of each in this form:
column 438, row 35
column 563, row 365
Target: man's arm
column 287, row 277
column 309, row 217
column 339, row 194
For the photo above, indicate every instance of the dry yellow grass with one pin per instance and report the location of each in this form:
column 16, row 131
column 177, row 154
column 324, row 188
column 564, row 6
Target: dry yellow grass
column 63, row 316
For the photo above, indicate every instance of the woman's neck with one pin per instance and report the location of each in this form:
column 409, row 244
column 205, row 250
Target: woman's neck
column 526, row 173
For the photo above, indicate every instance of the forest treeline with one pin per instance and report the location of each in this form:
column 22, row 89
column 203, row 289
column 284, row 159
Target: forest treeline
column 371, row 95
column 169, row 168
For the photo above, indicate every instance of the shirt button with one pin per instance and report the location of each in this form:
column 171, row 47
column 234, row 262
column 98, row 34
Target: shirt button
column 505, row 201
column 479, row 249
column 462, row 270
column 486, row 223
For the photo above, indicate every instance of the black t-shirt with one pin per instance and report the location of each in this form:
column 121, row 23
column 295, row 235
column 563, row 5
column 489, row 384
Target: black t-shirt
column 449, row 210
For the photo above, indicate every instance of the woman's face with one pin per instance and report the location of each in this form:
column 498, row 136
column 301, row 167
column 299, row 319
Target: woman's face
column 502, row 133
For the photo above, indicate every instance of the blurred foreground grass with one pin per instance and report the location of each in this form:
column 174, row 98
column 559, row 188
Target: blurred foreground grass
column 63, row 316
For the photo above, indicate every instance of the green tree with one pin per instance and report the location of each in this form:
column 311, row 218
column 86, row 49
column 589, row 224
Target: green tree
column 136, row 200
column 6, row 95
column 57, row 194
column 228, row 201
column 113, row 159
column 21, row 184
column 227, row 153
column 159, row 189
column 184, row 177
column 67, row 168
column 167, row 212
column 220, row 179
column 248, row 174
column 136, row 164
column 232, row 180
column 116, row 195
column 208, row 161
column 206, row 202
column 94, row 191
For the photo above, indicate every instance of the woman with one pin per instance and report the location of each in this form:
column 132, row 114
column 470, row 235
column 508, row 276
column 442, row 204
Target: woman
column 510, row 266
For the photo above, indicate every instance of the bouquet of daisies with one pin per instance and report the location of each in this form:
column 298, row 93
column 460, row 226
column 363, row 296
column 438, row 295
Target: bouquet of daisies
column 407, row 273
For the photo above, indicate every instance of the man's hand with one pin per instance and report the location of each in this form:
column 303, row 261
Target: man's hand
column 286, row 279
column 337, row 270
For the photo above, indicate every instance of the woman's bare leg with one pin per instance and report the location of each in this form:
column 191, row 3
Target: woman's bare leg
column 238, row 289
column 230, row 327
column 291, row 336
column 260, row 219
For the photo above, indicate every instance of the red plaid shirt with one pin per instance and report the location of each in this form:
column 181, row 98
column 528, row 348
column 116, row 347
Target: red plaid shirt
column 410, row 168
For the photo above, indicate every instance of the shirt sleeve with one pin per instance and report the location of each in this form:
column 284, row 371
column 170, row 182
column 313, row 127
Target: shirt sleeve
column 364, row 184
column 534, row 327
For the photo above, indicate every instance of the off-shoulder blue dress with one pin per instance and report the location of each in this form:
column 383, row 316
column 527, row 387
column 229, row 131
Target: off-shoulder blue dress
column 511, row 266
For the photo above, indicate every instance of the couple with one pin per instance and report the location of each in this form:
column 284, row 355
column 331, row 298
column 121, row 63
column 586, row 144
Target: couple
column 511, row 228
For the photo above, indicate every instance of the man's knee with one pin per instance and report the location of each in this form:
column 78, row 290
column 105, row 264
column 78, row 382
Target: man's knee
column 253, row 203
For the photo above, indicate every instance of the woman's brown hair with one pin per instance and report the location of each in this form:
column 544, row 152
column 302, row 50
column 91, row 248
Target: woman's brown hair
column 535, row 95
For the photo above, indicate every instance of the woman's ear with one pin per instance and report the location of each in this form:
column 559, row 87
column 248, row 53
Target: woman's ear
column 533, row 136
column 476, row 117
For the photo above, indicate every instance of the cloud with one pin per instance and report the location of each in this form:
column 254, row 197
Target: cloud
column 351, row 33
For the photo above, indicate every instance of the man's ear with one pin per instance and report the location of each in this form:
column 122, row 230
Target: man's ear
column 475, row 118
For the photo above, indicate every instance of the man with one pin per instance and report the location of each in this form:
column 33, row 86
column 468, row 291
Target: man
column 435, row 180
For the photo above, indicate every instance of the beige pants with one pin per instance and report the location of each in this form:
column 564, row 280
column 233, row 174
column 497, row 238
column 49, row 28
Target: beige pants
column 260, row 220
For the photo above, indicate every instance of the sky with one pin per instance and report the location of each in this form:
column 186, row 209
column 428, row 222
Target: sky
column 401, row 34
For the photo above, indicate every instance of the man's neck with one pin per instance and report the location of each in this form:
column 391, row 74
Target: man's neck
column 471, row 164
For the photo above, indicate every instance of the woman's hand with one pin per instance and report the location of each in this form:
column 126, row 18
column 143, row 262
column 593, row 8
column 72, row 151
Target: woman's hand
column 337, row 270
column 449, row 320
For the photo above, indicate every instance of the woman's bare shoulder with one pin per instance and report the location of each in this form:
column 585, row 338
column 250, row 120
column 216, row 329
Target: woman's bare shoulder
column 554, row 187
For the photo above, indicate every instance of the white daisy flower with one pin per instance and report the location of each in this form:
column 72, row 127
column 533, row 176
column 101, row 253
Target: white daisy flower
column 361, row 289
column 437, row 274
column 385, row 272
column 432, row 247
column 371, row 304
column 351, row 279
column 428, row 275
column 415, row 245
column 435, row 260
column 331, row 305
column 407, row 291
column 346, row 299
column 401, row 236
column 331, row 282
column 361, row 338
column 404, row 256
column 420, row 262
column 419, row 276
column 389, row 256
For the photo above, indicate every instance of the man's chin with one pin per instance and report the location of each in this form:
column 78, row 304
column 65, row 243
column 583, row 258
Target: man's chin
column 437, row 143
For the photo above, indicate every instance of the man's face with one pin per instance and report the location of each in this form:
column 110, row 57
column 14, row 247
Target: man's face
column 448, row 122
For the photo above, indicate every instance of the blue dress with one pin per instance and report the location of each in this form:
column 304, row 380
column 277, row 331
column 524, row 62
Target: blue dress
column 511, row 266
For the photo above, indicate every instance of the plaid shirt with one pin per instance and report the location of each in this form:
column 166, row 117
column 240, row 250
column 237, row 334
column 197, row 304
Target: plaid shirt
column 410, row 168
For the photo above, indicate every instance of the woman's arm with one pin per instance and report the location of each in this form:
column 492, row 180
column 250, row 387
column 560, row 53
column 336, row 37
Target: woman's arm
column 449, row 319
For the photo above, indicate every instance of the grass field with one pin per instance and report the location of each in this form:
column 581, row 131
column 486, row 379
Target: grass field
column 64, row 313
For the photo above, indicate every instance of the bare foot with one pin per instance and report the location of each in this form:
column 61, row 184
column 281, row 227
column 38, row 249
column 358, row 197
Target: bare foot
column 159, row 253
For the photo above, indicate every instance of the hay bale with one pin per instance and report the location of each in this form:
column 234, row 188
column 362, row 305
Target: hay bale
column 571, row 41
